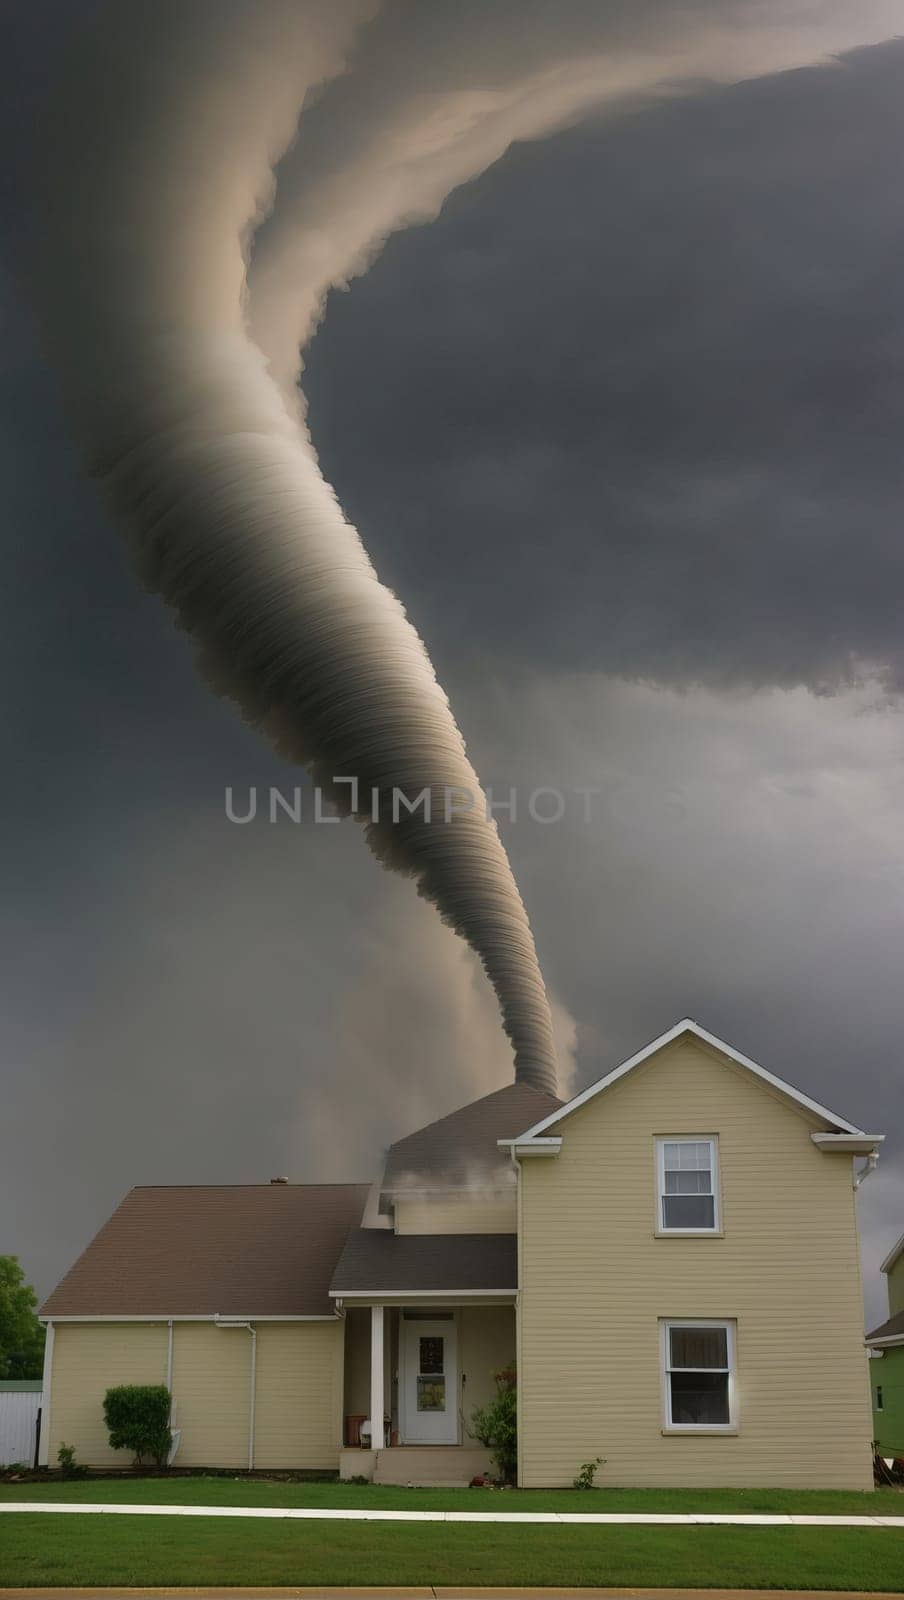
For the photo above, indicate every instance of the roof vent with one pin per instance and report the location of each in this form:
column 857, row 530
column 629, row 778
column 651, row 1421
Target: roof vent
column 279, row 1180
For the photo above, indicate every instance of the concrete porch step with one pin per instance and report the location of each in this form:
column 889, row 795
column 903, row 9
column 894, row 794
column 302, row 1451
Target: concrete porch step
column 431, row 1466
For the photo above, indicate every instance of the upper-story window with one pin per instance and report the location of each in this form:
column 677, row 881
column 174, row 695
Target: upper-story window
column 688, row 1185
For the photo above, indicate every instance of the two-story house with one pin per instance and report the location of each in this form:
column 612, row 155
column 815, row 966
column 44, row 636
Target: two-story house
column 671, row 1258
column 887, row 1367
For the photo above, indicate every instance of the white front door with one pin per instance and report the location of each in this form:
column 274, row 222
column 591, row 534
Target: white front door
column 429, row 1381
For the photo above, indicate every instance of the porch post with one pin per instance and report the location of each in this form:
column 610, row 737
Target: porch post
column 377, row 1404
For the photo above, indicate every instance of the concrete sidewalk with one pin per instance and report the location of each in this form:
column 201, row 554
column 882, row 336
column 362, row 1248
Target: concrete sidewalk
column 556, row 1518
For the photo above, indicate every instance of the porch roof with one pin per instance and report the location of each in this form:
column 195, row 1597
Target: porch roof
column 376, row 1262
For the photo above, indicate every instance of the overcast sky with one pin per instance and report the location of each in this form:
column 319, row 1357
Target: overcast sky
column 622, row 427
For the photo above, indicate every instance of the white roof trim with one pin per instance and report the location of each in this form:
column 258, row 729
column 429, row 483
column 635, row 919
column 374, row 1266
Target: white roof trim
column 531, row 1147
column 687, row 1025
column 176, row 1316
column 894, row 1253
column 854, row 1144
column 414, row 1295
column 882, row 1344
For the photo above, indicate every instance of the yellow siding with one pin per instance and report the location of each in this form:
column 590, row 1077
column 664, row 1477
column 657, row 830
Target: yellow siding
column 896, row 1287
column 211, row 1394
column 461, row 1213
column 486, row 1343
column 88, row 1359
column 596, row 1280
column 299, row 1394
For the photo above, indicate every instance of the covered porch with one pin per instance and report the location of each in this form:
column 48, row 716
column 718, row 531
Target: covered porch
column 423, row 1369
column 428, row 1318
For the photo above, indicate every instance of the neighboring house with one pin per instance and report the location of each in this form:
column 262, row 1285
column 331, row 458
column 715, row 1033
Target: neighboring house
column 887, row 1367
column 672, row 1256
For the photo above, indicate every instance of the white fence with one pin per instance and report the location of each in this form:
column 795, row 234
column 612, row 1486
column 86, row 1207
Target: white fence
column 18, row 1413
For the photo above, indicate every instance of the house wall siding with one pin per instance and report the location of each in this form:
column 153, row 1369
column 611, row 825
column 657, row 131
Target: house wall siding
column 88, row 1359
column 888, row 1424
column 896, row 1288
column 466, row 1213
column 486, row 1344
column 298, row 1392
column 298, row 1420
column 595, row 1282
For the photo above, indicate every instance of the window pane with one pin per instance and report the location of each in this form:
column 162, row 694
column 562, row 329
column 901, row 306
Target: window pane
column 698, row 1347
column 688, row 1183
column 431, row 1355
column 700, row 1398
column 671, row 1155
column 688, row 1211
column 431, row 1394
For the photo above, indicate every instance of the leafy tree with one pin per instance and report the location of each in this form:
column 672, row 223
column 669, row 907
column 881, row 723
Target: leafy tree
column 496, row 1424
column 21, row 1334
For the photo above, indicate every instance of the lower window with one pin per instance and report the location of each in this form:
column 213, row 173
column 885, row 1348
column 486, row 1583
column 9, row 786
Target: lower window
column 699, row 1374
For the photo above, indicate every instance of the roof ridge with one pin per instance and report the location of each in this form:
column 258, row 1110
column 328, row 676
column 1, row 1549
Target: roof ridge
column 470, row 1105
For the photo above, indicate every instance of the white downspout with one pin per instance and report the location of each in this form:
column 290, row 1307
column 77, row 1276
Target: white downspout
column 224, row 1322
column 519, row 1379
column 872, row 1161
column 175, row 1433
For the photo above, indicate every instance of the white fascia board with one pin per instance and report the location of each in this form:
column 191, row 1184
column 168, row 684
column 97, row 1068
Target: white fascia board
column 415, row 1296
column 893, row 1256
column 855, row 1144
column 687, row 1025
column 884, row 1344
column 168, row 1316
column 531, row 1147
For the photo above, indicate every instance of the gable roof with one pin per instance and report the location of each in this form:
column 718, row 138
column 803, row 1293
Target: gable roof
column 687, row 1025
column 377, row 1261
column 451, row 1150
column 894, row 1255
column 238, row 1250
column 890, row 1332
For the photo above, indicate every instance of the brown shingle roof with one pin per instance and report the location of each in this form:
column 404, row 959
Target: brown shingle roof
column 893, row 1328
column 460, row 1146
column 255, row 1249
column 401, row 1263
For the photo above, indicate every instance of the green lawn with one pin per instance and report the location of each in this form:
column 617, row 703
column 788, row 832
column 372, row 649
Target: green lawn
column 67, row 1551
column 244, row 1491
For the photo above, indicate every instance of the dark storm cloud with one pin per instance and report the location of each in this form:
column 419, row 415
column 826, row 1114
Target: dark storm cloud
column 606, row 311
column 660, row 358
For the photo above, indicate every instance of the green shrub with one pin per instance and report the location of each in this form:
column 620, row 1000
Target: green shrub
column 496, row 1424
column 69, row 1467
column 137, row 1418
column 586, row 1478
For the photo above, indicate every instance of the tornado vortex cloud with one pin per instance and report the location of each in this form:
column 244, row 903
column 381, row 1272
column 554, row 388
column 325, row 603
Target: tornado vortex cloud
column 209, row 172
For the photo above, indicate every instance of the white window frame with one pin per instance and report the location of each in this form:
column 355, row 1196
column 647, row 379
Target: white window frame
column 731, row 1327
column 712, row 1139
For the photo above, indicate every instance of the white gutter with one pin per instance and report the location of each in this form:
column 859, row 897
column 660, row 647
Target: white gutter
column 856, row 1144
column 227, row 1322
column 206, row 1316
column 531, row 1147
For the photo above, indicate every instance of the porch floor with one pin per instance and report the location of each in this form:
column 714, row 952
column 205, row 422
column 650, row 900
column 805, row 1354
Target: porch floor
column 450, row 1466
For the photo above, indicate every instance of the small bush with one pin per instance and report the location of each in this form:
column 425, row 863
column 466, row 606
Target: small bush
column 69, row 1467
column 586, row 1478
column 137, row 1418
column 496, row 1425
